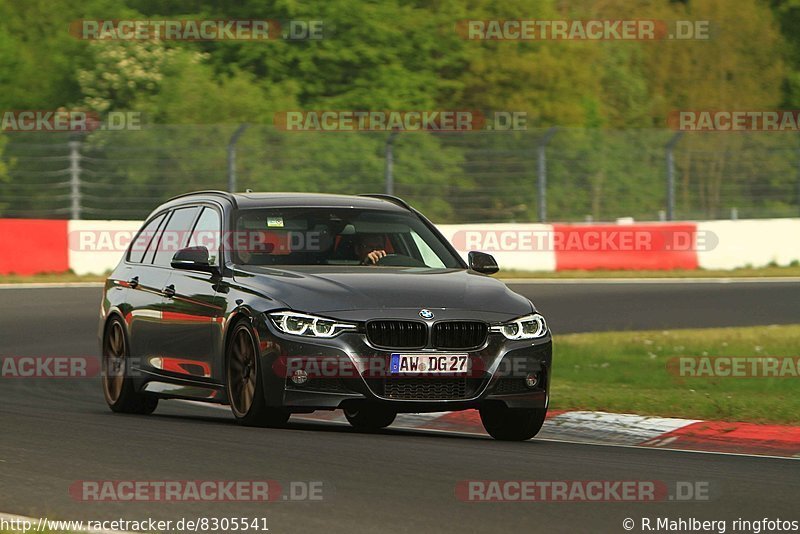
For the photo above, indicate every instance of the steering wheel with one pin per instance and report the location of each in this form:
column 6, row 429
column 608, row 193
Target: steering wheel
column 399, row 260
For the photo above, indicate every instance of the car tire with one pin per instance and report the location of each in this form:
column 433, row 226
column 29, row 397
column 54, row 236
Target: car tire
column 244, row 383
column 512, row 424
column 369, row 417
column 118, row 388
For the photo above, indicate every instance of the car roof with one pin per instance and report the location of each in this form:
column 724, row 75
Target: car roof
column 289, row 199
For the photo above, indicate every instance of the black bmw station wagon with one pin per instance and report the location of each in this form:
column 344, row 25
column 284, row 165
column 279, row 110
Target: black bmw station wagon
column 281, row 303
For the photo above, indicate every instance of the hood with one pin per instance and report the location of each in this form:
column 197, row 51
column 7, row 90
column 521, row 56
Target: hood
column 329, row 289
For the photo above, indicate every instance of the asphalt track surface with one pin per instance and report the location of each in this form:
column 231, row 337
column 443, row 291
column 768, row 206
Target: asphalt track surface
column 59, row 431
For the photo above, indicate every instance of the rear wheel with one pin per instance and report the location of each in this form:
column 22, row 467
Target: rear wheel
column 369, row 417
column 245, row 384
column 118, row 387
column 512, row 424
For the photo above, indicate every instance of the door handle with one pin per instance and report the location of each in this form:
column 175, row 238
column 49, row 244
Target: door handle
column 169, row 291
column 134, row 282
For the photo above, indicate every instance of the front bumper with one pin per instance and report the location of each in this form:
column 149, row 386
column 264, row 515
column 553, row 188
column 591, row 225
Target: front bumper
column 347, row 370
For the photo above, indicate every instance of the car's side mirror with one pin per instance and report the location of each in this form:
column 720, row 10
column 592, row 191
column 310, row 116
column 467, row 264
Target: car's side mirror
column 483, row 263
column 193, row 259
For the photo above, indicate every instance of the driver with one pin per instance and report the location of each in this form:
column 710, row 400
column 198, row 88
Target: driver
column 369, row 248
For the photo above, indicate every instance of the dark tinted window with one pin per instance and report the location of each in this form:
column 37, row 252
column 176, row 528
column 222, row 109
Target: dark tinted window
column 337, row 236
column 207, row 233
column 143, row 239
column 175, row 235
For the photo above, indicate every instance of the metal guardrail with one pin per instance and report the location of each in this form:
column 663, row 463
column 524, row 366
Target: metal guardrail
column 559, row 174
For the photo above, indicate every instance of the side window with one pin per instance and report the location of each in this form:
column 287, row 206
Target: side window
column 174, row 235
column 428, row 255
column 143, row 239
column 207, row 233
column 151, row 250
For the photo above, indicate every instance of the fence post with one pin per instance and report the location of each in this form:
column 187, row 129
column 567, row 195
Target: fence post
column 670, row 159
column 232, row 157
column 542, row 172
column 389, row 169
column 75, row 179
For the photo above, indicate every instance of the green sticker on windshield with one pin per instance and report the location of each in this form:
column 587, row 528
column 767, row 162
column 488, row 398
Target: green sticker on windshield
column 274, row 222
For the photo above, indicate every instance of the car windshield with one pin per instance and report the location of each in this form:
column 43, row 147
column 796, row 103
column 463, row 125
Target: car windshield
column 337, row 236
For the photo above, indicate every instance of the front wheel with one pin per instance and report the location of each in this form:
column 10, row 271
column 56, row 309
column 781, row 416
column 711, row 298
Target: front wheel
column 512, row 424
column 245, row 384
column 118, row 388
column 368, row 417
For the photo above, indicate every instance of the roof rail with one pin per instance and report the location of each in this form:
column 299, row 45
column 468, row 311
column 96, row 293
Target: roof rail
column 225, row 194
column 390, row 198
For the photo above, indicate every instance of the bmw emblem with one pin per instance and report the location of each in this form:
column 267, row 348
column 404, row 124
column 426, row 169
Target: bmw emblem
column 426, row 314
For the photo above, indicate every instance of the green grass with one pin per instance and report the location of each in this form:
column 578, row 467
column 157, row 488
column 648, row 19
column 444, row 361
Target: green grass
column 627, row 372
column 699, row 273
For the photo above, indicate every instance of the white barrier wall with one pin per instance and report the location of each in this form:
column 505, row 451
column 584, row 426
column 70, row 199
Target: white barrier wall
column 96, row 247
column 756, row 242
column 514, row 246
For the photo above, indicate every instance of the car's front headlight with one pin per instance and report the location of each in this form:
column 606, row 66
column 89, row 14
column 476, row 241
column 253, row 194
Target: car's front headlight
column 302, row 324
column 528, row 327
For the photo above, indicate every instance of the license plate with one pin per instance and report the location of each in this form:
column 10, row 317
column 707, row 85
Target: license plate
column 414, row 364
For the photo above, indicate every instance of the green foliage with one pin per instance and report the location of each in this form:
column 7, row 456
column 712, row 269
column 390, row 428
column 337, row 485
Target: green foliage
column 126, row 73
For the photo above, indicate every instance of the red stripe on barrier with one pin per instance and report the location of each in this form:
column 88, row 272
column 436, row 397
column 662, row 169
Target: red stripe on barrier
column 743, row 438
column 618, row 247
column 31, row 246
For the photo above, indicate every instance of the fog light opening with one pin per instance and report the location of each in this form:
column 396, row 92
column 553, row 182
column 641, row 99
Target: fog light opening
column 532, row 380
column 299, row 377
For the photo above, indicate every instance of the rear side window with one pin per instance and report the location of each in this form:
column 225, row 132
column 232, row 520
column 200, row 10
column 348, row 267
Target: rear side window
column 207, row 233
column 175, row 235
column 145, row 236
